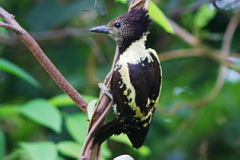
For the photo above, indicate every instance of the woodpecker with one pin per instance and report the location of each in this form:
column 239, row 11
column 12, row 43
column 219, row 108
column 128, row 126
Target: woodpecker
column 137, row 77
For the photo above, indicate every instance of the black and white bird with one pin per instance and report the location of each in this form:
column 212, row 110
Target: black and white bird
column 136, row 80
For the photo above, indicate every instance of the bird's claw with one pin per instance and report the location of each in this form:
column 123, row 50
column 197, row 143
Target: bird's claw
column 105, row 90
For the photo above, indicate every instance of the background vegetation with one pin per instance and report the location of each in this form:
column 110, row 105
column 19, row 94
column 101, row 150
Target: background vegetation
column 37, row 121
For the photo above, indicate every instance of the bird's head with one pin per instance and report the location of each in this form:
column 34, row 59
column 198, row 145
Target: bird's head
column 126, row 28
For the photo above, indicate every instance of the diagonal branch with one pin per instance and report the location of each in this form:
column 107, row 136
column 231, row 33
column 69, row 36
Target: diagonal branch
column 90, row 150
column 32, row 45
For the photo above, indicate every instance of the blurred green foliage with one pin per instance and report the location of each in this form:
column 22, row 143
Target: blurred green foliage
column 38, row 121
column 9, row 67
column 157, row 16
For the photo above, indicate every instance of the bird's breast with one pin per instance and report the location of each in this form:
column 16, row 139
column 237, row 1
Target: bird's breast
column 130, row 82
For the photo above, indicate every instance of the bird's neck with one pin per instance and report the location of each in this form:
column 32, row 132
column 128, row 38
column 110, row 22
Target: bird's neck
column 134, row 45
column 134, row 54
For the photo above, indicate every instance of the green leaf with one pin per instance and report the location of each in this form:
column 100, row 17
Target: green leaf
column 91, row 108
column 61, row 100
column 11, row 68
column 64, row 100
column 144, row 151
column 203, row 16
column 44, row 113
column 122, row 1
column 105, row 152
column 2, row 145
column 69, row 148
column 89, row 97
column 40, row 150
column 122, row 138
column 157, row 15
column 8, row 110
column 77, row 126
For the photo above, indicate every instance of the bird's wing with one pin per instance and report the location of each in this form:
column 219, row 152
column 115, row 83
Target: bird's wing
column 146, row 80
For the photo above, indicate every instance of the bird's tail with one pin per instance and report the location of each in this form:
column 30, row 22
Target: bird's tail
column 107, row 131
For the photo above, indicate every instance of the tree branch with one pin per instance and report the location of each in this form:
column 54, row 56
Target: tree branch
column 184, row 34
column 32, row 45
column 198, row 52
column 222, row 70
column 91, row 151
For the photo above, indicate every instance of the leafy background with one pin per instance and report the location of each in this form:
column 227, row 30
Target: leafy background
column 37, row 121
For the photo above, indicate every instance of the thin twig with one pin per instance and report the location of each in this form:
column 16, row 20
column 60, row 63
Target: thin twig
column 90, row 151
column 10, row 27
column 222, row 70
column 47, row 35
column 95, row 126
column 32, row 45
column 198, row 52
column 184, row 34
column 61, row 33
column 203, row 148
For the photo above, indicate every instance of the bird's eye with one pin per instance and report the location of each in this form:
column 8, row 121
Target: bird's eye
column 117, row 25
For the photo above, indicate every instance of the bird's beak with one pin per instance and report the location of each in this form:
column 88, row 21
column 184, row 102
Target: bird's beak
column 100, row 29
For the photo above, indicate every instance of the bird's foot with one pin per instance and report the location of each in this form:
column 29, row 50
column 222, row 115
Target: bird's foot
column 114, row 106
column 105, row 90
